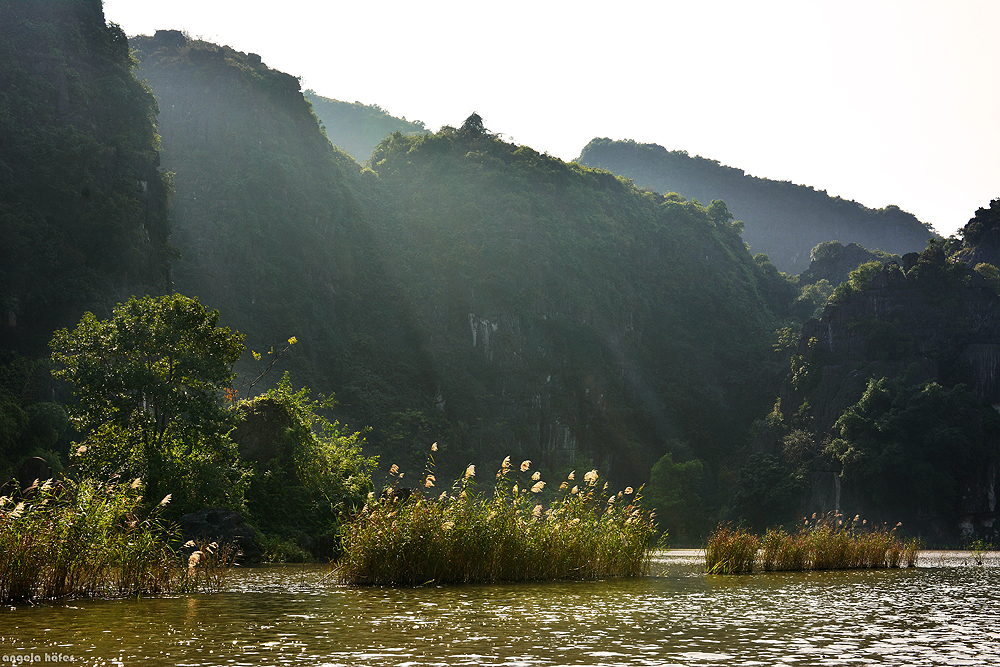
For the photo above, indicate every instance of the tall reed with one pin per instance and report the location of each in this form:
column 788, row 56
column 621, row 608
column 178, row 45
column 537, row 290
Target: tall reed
column 84, row 539
column 823, row 543
column 208, row 566
column 463, row 536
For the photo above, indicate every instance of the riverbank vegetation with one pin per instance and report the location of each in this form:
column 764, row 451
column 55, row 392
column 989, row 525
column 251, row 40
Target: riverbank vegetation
column 93, row 539
column 464, row 536
column 823, row 543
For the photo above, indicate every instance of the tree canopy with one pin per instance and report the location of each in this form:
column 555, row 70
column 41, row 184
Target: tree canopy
column 149, row 382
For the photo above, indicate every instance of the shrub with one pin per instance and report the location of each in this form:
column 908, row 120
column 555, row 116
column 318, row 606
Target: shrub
column 308, row 472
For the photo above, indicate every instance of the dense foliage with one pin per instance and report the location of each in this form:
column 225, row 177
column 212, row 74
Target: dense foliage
column 307, row 473
column 460, row 289
column 908, row 448
column 833, row 262
column 981, row 237
column 887, row 409
column 675, row 489
column 273, row 226
column 149, row 383
column 783, row 220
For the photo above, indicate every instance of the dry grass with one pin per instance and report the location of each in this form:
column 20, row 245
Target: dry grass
column 461, row 536
column 822, row 543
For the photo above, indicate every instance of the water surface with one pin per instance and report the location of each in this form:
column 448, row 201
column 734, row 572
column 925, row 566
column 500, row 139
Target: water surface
column 946, row 612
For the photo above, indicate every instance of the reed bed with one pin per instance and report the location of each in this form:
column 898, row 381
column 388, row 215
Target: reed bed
column 823, row 543
column 90, row 539
column 462, row 536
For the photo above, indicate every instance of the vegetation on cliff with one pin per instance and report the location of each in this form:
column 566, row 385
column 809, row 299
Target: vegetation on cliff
column 459, row 289
column 83, row 207
column 307, row 473
column 887, row 409
column 465, row 290
column 273, row 227
column 566, row 312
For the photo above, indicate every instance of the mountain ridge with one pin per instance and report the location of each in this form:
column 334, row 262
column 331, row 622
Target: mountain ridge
column 783, row 220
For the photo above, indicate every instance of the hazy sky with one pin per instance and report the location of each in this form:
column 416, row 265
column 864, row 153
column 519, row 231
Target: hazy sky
column 881, row 101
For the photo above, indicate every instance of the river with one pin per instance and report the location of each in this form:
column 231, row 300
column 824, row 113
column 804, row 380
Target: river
column 944, row 612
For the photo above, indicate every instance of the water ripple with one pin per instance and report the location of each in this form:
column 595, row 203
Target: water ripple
column 283, row 616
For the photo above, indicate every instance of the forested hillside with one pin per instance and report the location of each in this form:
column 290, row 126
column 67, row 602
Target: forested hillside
column 782, row 220
column 272, row 225
column 83, row 217
column 889, row 408
column 467, row 290
column 358, row 128
column 463, row 290
column 83, row 207
column 568, row 314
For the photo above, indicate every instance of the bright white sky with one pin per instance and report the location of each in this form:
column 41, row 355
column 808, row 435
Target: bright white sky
column 881, row 101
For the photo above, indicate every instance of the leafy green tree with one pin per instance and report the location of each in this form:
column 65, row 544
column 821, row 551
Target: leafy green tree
column 720, row 215
column 858, row 281
column 812, row 299
column 984, row 227
column 149, row 381
column 473, row 127
column 990, row 274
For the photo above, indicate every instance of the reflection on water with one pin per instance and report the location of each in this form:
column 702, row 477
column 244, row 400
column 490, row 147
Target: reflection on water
column 945, row 614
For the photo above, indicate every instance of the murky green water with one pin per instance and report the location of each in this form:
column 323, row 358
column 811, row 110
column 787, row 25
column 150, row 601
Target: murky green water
column 946, row 612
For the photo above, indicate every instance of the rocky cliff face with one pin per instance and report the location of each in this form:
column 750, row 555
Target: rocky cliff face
column 929, row 321
column 83, row 205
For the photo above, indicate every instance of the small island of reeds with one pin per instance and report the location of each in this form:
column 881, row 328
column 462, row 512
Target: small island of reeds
column 464, row 536
column 821, row 543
